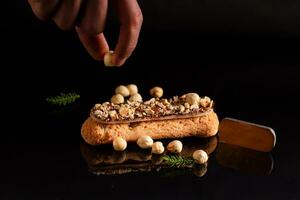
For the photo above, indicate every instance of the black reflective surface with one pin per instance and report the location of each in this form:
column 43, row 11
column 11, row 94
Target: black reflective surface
column 251, row 73
column 42, row 156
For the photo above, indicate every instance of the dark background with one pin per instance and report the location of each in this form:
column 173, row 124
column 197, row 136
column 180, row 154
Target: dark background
column 245, row 55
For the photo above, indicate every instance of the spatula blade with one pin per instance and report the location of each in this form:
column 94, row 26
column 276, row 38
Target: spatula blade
column 247, row 135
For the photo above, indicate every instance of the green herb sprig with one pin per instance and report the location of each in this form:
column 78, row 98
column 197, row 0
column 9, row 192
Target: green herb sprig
column 63, row 99
column 178, row 161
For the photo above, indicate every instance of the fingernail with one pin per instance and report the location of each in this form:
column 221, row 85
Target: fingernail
column 116, row 61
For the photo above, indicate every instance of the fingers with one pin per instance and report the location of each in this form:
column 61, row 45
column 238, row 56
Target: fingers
column 95, row 45
column 43, row 9
column 66, row 14
column 131, row 19
column 91, row 26
column 94, row 17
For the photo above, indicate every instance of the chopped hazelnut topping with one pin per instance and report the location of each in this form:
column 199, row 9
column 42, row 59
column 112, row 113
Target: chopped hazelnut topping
column 205, row 101
column 181, row 108
column 186, row 105
column 153, row 108
column 194, row 106
column 113, row 114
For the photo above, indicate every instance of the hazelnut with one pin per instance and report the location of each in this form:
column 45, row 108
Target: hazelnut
column 192, row 98
column 119, row 144
column 117, row 99
column 108, row 59
column 204, row 102
column 156, row 92
column 200, row 156
column 136, row 98
column 113, row 114
column 122, row 90
column 186, row 105
column 181, row 108
column 194, row 106
column 175, row 146
column 145, row 142
column 124, row 111
column 133, row 89
column 157, row 148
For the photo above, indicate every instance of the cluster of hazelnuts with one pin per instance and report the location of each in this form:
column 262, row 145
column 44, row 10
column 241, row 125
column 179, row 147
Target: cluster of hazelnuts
column 146, row 142
column 131, row 92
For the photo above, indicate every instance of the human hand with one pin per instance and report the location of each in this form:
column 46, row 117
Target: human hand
column 88, row 17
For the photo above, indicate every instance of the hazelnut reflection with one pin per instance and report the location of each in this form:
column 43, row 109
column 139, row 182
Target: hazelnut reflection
column 103, row 160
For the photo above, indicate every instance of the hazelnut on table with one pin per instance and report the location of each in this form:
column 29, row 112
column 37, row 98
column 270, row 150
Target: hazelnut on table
column 200, row 156
column 117, row 99
column 145, row 142
column 119, row 144
column 122, row 90
column 174, row 146
column 157, row 148
column 156, row 92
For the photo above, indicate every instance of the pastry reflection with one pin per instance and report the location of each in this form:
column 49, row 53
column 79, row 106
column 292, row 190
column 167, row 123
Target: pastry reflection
column 103, row 160
column 243, row 159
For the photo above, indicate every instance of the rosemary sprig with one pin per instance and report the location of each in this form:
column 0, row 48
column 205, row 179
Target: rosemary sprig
column 178, row 161
column 63, row 99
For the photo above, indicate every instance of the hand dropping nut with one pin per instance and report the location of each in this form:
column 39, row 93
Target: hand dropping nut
column 157, row 148
column 122, row 90
column 156, row 92
column 133, row 89
column 117, row 99
column 175, row 146
column 119, row 144
column 145, row 142
column 200, row 156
